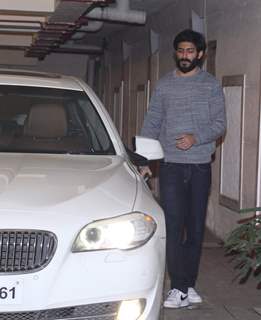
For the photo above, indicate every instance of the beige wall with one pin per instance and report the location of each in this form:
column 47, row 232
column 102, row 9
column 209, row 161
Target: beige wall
column 166, row 24
column 69, row 64
column 236, row 27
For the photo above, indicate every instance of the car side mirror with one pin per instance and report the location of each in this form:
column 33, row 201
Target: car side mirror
column 144, row 150
column 148, row 148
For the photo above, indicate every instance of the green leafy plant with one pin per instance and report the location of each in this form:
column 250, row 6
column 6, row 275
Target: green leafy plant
column 244, row 245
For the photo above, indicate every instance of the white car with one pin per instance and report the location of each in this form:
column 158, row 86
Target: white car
column 81, row 235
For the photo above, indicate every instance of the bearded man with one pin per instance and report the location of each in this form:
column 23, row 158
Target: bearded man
column 187, row 115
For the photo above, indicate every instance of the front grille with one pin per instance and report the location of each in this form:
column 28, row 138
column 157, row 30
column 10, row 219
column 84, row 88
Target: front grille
column 25, row 250
column 97, row 311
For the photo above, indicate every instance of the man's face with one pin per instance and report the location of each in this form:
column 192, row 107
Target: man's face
column 187, row 58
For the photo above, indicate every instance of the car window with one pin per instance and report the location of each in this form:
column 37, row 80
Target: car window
column 47, row 120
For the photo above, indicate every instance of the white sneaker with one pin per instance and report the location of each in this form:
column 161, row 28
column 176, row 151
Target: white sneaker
column 193, row 296
column 176, row 299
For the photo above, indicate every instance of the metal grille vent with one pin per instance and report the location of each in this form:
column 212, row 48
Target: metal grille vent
column 25, row 250
column 97, row 311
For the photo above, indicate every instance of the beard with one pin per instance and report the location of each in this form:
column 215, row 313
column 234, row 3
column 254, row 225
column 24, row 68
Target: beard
column 186, row 65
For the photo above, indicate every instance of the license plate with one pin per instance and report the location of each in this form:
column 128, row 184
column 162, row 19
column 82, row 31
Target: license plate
column 11, row 291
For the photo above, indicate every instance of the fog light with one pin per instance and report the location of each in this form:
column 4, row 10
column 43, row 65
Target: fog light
column 131, row 309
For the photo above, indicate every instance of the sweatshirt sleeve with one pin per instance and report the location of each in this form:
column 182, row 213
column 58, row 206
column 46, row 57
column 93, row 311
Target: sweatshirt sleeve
column 217, row 126
column 153, row 119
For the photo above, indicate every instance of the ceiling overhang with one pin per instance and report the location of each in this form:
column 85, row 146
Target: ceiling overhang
column 42, row 26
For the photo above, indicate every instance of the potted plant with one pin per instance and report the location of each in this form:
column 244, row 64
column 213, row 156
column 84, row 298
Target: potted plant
column 244, row 245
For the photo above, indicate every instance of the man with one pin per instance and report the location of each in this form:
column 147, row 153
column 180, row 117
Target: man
column 187, row 115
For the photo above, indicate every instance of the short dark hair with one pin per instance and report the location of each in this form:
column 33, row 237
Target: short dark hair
column 192, row 36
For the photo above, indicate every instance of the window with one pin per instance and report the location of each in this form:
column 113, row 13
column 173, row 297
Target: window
column 48, row 120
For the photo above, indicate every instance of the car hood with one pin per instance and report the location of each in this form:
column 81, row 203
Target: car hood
column 67, row 183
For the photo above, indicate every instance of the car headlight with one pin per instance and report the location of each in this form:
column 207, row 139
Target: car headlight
column 122, row 232
column 131, row 309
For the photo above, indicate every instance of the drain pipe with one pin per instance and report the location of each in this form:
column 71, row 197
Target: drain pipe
column 93, row 26
column 70, row 46
column 120, row 13
column 91, row 72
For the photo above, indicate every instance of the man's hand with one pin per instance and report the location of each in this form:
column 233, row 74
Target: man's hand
column 145, row 172
column 185, row 141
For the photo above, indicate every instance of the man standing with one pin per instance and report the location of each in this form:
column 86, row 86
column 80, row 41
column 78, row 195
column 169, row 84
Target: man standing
column 187, row 115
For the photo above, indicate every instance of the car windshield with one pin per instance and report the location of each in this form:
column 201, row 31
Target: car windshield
column 48, row 120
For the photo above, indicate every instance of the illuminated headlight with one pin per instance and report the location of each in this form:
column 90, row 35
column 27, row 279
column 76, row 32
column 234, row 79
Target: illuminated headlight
column 131, row 309
column 123, row 232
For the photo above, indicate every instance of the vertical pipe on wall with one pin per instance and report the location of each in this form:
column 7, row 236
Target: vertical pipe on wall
column 90, row 72
column 258, row 182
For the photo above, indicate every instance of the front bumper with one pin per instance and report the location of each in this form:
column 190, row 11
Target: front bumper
column 91, row 285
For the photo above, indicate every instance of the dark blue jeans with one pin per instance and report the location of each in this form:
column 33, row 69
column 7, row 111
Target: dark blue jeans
column 184, row 191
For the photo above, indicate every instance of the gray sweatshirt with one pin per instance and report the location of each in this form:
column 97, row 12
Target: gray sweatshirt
column 180, row 105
